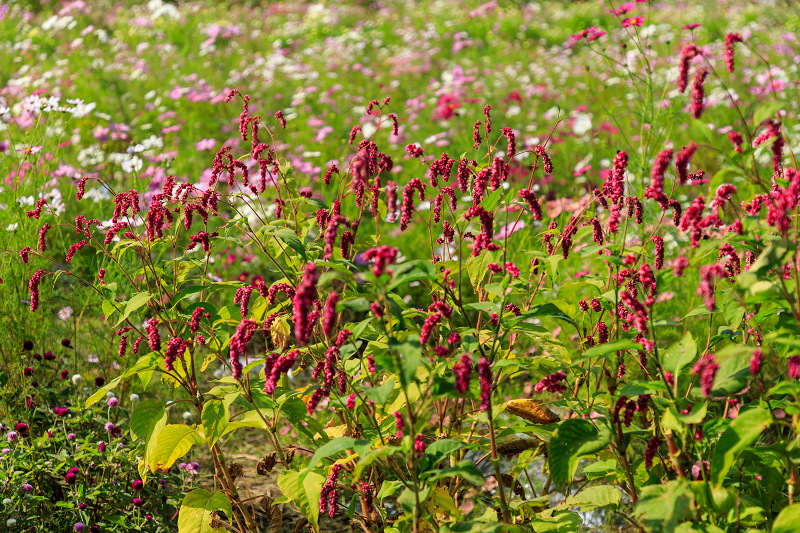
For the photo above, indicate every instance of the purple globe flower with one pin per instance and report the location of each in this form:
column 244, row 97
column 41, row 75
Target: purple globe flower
column 65, row 343
column 79, row 526
column 12, row 436
column 27, row 487
column 101, row 447
column 71, row 436
column 138, row 502
column 113, row 402
column 71, row 477
column 110, row 426
column 137, row 484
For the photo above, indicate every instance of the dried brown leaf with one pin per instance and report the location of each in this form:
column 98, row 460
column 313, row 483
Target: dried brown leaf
column 235, row 470
column 532, row 411
column 267, row 463
column 517, row 446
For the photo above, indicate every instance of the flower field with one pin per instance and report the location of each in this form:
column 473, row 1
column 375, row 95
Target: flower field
column 399, row 266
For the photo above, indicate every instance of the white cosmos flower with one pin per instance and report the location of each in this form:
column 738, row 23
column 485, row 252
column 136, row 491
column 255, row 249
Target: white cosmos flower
column 132, row 164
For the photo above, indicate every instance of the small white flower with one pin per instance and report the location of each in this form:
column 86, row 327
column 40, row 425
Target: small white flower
column 26, row 201
column 132, row 164
column 7, row 501
column 134, row 397
column 110, row 394
column 11, row 522
column 13, row 226
column 77, row 379
column 187, row 416
column 582, row 124
column 65, row 312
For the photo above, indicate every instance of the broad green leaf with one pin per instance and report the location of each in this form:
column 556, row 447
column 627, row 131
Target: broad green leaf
column 560, row 522
column 771, row 257
column 663, row 507
column 788, row 520
column 289, row 237
column 477, row 267
column 464, row 469
column 174, row 441
column 146, row 363
column 380, row 395
column 613, row 346
column 598, row 496
column 196, row 509
column 215, row 420
column 680, row 354
column 145, row 417
column 767, row 110
column 442, row 448
column 293, row 486
column 573, row 439
column 136, row 302
column 332, row 448
column 410, row 357
column 743, row 431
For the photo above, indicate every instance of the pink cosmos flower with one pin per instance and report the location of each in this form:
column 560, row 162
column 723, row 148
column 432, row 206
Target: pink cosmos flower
column 624, row 9
column 205, row 144
column 634, row 21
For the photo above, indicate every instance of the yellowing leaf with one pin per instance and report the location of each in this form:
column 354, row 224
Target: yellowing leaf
column 532, row 411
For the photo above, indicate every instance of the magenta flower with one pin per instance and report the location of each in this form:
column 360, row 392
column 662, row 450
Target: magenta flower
column 794, row 367
column 633, row 21
column 419, row 445
column 707, row 368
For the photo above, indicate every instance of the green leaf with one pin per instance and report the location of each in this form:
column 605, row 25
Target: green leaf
column 465, row 469
column 680, row 354
column 108, row 308
column 598, row 496
column 289, row 237
column 771, row 257
column 787, row 519
column 215, row 420
column 573, row 439
column 145, row 418
column 560, row 522
column 410, row 357
column 196, row 509
column 767, row 110
column 663, row 507
column 174, row 441
column 442, row 448
column 602, row 349
column 380, row 395
column 477, row 267
column 743, row 431
column 293, row 485
column 185, row 293
column 331, row 448
column 146, row 363
column 136, row 302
